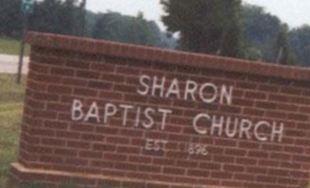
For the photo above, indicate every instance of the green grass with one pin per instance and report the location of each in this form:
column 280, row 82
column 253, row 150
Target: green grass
column 11, row 46
column 11, row 103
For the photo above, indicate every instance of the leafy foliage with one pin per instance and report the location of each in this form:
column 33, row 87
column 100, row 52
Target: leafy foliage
column 265, row 37
column 10, row 18
column 260, row 31
column 56, row 16
column 218, row 27
column 207, row 26
column 299, row 40
column 67, row 17
column 116, row 27
column 282, row 50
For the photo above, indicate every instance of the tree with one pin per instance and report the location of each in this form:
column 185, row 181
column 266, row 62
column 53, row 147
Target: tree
column 260, row 29
column 90, row 21
column 206, row 26
column 56, row 16
column 299, row 40
column 10, row 18
column 129, row 29
column 282, row 51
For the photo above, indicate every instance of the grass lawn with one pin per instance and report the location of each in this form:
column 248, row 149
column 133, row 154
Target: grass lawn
column 11, row 103
column 11, row 46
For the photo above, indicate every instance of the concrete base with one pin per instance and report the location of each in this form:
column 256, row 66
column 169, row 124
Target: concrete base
column 22, row 177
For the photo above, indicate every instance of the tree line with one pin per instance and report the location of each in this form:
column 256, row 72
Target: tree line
column 66, row 17
column 221, row 27
column 233, row 29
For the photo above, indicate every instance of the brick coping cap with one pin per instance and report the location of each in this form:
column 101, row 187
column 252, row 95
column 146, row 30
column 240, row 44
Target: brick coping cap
column 152, row 54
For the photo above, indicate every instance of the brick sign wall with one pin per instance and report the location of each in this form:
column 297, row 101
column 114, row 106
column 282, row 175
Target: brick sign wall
column 100, row 113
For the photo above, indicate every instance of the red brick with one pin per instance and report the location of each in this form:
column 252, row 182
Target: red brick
column 92, row 137
column 64, row 68
column 258, row 154
column 149, row 168
column 130, row 184
column 58, row 107
column 37, row 67
column 88, row 74
column 66, row 152
column 102, row 164
column 253, row 112
column 115, row 157
column 102, row 67
column 40, row 150
column 72, row 81
column 297, row 117
column 266, row 162
column 78, row 145
column 62, row 72
column 68, row 135
column 210, row 165
column 235, row 152
column 291, row 90
column 221, row 175
column 104, row 147
column 100, row 85
column 125, row 166
column 244, row 176
column 90, row 154
column 265, row 105
column 138, row 159
column 82, row 127
column 51, row 159
column 85, row 92
column 255, row 95
column 185, row 163
column 246, row 85
column 76, row 161
column 173, row 170
column 57, row 89
column 128, row 150
column 278, row 97
column 266, row 179
column 243, row 102
column 78, row 64
column 246, row 161
column 46, row 97
column 256, row 170
column 52, row 142
column 117, row 140
column 233, row 168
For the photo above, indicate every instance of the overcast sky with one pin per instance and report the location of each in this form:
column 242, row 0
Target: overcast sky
column 293, row 12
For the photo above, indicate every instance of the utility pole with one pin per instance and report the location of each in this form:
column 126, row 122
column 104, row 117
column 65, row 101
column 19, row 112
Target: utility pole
column 27, row 9
column 83, row 17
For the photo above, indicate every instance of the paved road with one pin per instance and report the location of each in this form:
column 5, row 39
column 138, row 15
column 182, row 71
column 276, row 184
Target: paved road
column 9, row 64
